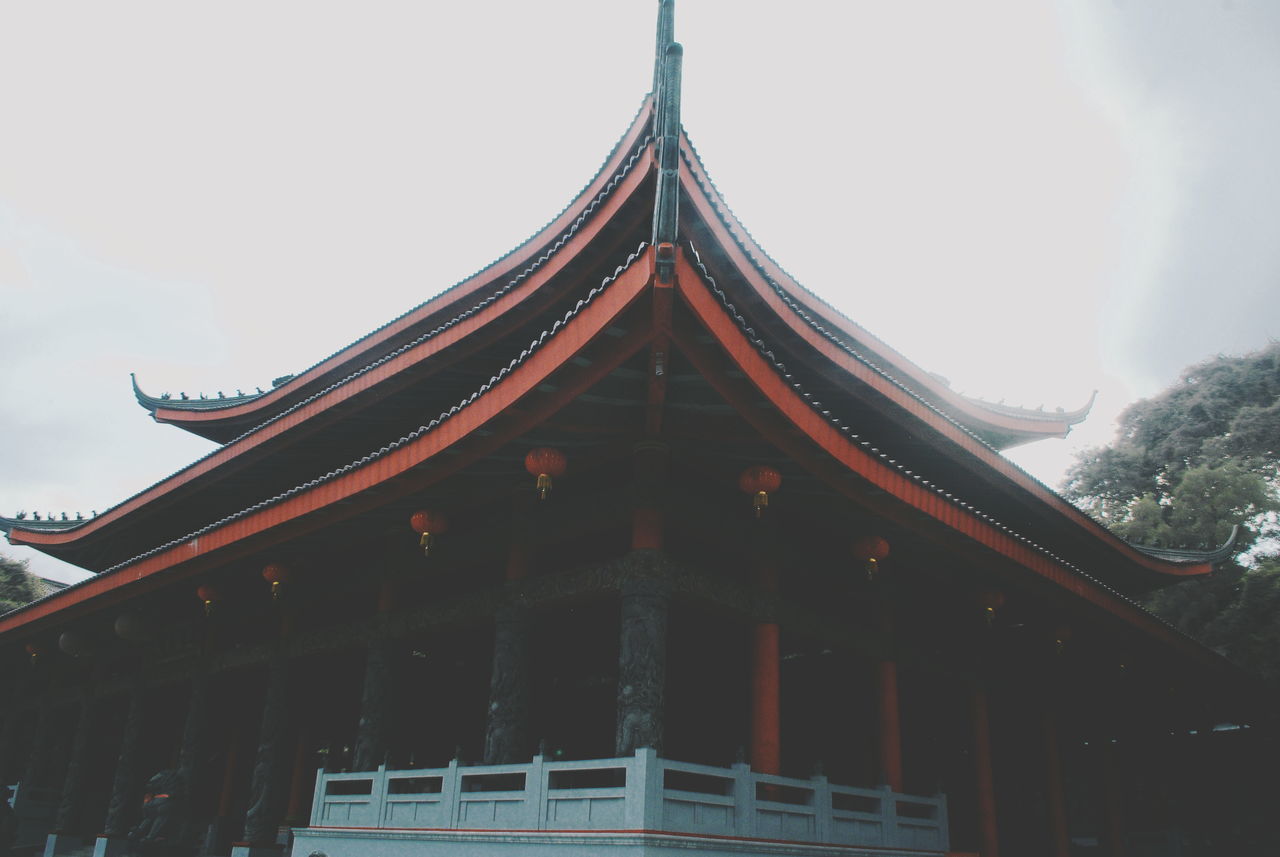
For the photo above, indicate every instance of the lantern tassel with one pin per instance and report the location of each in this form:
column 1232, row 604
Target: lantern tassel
column 872, row 568
column 991, row 615
column 425, row 544
column 275, row 590
column 544, row 485
column 761, row 502
column 208, row 608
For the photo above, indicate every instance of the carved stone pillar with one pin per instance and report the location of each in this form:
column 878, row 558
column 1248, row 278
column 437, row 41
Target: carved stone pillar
column 271, row 764
column 124, row 786
column 71, row 807
column 194, row 751
column 372, row 733
column 1113, row 806
column 506, row 738
column 1055, row 795
column 642, row 665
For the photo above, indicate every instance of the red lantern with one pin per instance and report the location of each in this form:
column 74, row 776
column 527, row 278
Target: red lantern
column 759, row 481
column 871, row 551
column 1061, row 636
column 34, row 651
column 207, row 593
column 277, row 575
column 428, row 523
column 990, row 601
column 545, row 463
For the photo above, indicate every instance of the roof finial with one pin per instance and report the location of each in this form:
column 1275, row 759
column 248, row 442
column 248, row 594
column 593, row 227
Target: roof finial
column 666, row 35
column 666, row 128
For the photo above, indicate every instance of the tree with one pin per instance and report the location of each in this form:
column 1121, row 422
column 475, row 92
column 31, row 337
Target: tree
column 1187, row 466
column 17, row 586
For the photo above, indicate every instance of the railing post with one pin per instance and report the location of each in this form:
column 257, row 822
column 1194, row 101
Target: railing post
column 889, row 817
column 378, row 794
column 944, row 823
column 821, row 808
column 451, row 791
column 644, row 790
column 744, row 800
column 317, row 800
column 535, row 791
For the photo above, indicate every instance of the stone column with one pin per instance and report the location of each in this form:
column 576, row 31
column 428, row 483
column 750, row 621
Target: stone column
column 1113, row 807
column 193, row 752
column 271, row 766
column 1055, row 795
column 124, row 786
column 642, row 665
column 372, row 732
column 506, row 739
column 68, row 824
column 987, row 830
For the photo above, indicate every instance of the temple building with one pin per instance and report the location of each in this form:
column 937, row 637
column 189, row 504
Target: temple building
column 626, row 545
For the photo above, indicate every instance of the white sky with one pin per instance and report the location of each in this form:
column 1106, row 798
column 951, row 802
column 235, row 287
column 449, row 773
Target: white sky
column 1034, row 199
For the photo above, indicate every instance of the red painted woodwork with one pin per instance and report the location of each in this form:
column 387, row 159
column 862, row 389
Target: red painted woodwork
column 951, row 434
column 646, row 528
column 397, row 472
column 890, row 725
column 299, row 788
column 988, row 834
column 351, row 389
column 766, row 701
column 1055, row 796
column 798, row 415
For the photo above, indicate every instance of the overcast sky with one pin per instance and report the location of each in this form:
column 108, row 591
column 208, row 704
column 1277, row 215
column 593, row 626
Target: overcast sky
column 1033, row 199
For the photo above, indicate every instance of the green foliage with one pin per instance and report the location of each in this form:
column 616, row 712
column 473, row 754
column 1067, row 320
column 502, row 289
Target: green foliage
column 17, row 586
column 1187, row 466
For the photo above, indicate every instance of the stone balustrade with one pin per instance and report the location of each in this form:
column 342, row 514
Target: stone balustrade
column 639, row 793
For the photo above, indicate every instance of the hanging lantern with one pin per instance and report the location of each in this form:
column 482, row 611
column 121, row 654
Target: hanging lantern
column 871, row 551
column 1061, row 636
column 545, row 463
column 34, row 651
column 759, row 481
column 207, row 593
column 277, row 575
column 132, row 627
column 73, row 643
column 990, row 601
column 428, row 523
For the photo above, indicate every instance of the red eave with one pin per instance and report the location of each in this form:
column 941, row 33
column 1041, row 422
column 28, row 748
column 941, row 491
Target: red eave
column 964, row 521
column 395, row 472
column 698, row 184
column 914, row 405
column 356, row 385
column 366, row 348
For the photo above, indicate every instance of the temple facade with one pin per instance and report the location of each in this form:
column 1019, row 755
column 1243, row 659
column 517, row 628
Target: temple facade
column 626, row 545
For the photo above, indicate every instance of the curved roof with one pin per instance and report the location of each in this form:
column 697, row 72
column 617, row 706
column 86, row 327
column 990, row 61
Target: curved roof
column 885, row 426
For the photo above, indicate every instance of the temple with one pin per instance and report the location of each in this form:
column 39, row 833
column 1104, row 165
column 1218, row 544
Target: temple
column 626, row 545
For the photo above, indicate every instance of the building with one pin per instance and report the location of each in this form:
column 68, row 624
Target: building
column 627, row 544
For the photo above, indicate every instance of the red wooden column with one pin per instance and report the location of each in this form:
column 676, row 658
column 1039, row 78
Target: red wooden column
column 647, row 519
column 1113, row 808
column 766, row 678
column 988, row 834
column 1055, row 796
column 888, row 709
column 300, row 784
